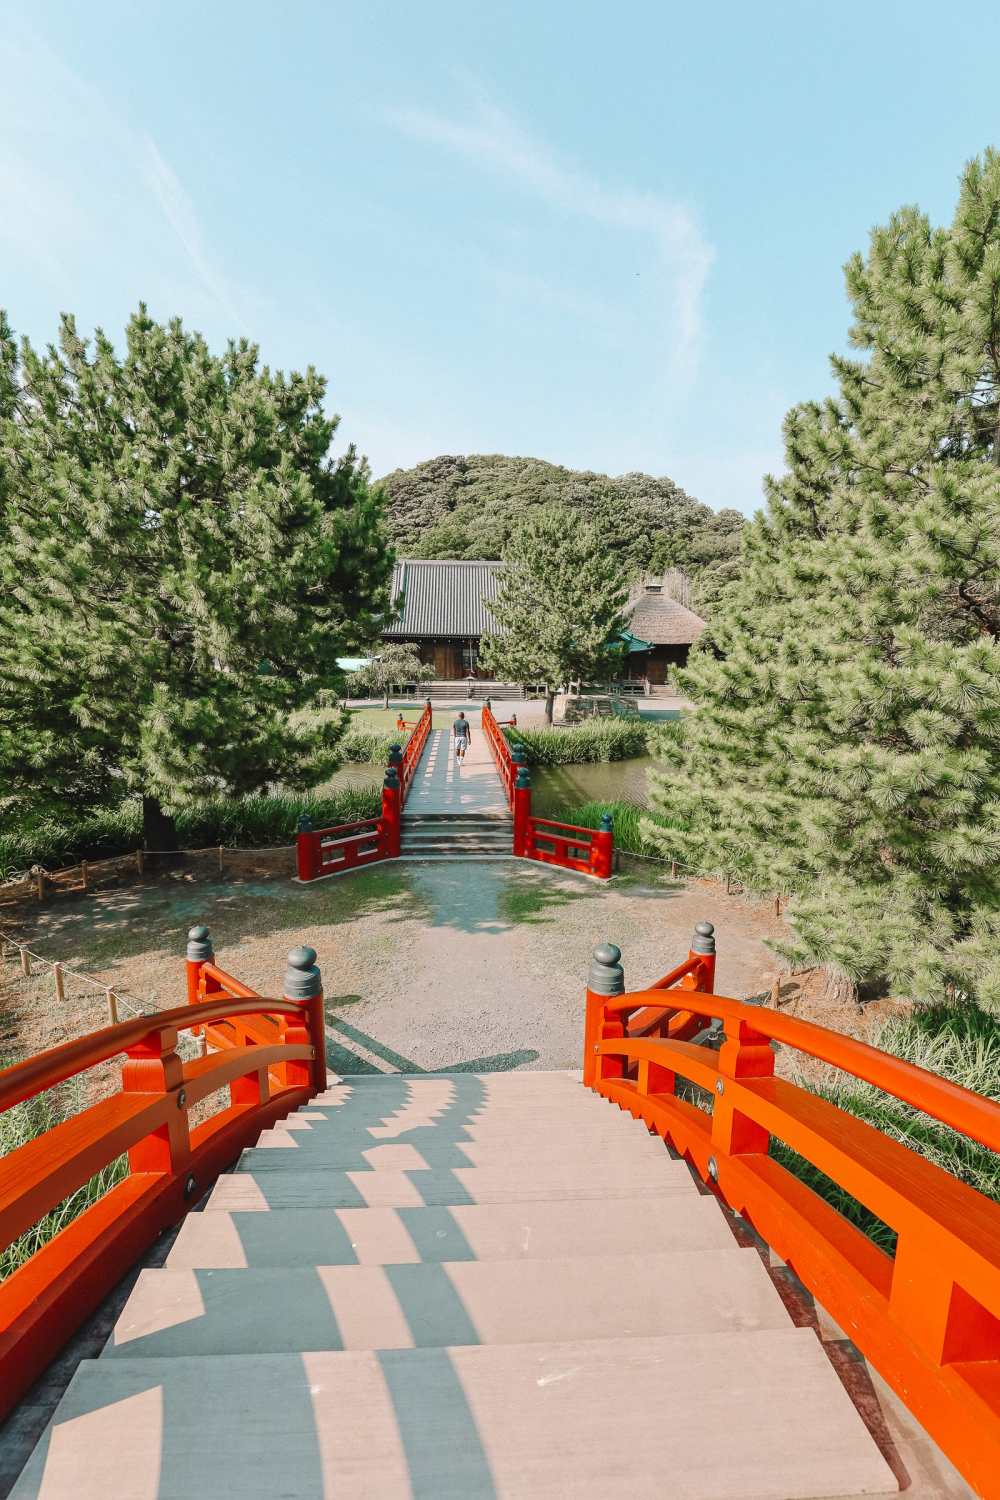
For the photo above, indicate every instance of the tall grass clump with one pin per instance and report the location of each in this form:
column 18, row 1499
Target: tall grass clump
column 582, row 744
column 24, row 1123
column 369, row 747
column 238, row 822
column 958, row 1042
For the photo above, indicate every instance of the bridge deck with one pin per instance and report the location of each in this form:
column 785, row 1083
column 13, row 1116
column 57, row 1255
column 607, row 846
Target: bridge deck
column 475, row 1286
column 441, row 786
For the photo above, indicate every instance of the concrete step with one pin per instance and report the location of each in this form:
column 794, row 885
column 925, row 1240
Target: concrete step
column 725, row 1416
column 280, row 1151
column 318, row 1188
column 290, row 1310
column 480, row 1232
column 457, row 820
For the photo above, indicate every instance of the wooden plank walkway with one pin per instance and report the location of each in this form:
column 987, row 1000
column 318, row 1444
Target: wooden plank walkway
column 441, row 786
column 457, row 1287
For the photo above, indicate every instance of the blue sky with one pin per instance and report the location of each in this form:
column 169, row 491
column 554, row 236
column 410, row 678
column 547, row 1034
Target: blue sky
column 608, row 235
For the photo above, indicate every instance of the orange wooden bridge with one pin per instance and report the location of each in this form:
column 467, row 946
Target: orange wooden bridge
column 432, row 808
column 509, row 1285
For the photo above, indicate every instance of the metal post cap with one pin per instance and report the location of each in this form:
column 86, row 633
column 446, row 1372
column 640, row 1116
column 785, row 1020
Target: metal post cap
column 199, row 948
column 523, row 780
column 607, row 823
column 395, row 755
column 607, row 977
column 704, row 938
column 305, row 823
column 517, row 755
column 302, row 978
column 391, row 779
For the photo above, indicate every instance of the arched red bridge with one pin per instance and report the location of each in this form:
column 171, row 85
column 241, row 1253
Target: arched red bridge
column 511, row 1285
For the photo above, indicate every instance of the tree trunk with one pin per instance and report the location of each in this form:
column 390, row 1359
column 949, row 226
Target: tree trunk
column 838, row 988
column 158, row 830
column 550, row 699
column 386, row 702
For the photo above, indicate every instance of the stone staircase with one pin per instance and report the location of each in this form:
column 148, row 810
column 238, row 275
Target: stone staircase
column 457, row 835
column 455, row 1287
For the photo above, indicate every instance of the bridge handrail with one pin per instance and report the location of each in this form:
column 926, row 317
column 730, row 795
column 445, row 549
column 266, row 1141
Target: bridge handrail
column 414, row 748
column 949, row 1103
column 586, row 834
column 171, row 1163
column 25, row 1080
column 928, row 1317
column 501, row 752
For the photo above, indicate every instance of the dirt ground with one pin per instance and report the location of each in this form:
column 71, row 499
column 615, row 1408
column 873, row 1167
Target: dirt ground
column 425, row 965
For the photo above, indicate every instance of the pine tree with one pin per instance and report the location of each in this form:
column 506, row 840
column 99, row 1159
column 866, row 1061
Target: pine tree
column 845, row 738
column 559, row 607
column 181, row 563
column 395, row 666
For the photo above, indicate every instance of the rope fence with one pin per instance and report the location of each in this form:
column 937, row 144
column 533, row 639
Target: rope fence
column 115, row 998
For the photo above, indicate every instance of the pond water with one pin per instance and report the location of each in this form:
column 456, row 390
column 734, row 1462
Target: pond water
column 555, row 787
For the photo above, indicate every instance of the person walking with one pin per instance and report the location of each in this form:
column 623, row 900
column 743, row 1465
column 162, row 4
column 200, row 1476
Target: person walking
column 462, row 736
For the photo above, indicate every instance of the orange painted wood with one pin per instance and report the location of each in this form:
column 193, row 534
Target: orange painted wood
column 43, row 1303
column 41, row 1173
column 928, row 1319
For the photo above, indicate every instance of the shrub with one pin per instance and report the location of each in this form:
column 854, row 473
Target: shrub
column 238, row 822
column 369, row 746
column 579, row 744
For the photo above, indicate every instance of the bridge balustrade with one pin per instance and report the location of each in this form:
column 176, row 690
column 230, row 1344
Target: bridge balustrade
column 347, row 846
column 928, row 1318
column 589, row 850
column 269, row 1053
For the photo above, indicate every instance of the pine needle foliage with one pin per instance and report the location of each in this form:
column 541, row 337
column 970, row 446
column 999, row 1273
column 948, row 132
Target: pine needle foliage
column 845, row 743
column 181, row 563
column 559, row 609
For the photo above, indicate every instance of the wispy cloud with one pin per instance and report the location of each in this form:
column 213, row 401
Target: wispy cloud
column 180, row 213
column 492, row 139
column 55, row 197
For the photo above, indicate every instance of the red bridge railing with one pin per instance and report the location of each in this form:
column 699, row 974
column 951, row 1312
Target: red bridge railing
column 347, row 846
column 928, row 1318
column 590, row 850
column 272, row 1058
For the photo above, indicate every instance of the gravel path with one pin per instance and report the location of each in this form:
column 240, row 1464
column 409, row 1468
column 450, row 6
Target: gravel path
column 432, row 965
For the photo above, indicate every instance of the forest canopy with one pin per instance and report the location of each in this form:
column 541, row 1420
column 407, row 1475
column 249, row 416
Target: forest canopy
column 468, row 507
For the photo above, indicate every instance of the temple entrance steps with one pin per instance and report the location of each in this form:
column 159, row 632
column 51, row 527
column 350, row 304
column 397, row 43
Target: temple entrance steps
column 447, row 835
column 478, row 1286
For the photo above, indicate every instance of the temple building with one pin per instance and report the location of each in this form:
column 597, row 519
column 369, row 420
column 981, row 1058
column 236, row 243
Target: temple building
column 443, row 609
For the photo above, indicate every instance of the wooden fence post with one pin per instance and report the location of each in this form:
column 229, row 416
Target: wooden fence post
column 139, row 861
column 112, row 1000
column 40, row 882
column 84, row 875
column 57, row 975
column 25, row 962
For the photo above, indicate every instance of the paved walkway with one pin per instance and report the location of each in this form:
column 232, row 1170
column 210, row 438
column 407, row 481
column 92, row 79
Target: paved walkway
column 441, row 786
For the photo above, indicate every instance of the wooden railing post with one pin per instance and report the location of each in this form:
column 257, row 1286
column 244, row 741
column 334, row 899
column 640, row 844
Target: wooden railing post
column 303, row 984
column 200, row 951
column 153, row 1067
column 607, row 979
column 390, row 825
column 602, row 848
column 703, row 950
column 306, row 849
column 744, row 1054
column 522, row 813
